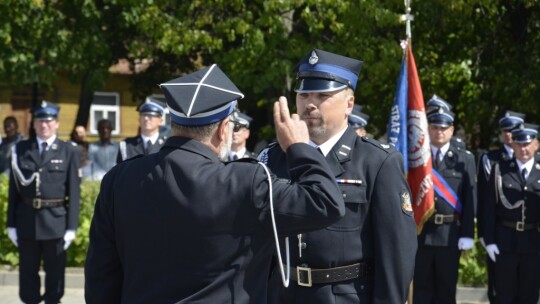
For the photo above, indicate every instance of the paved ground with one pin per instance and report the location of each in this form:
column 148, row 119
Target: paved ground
column 74, row 292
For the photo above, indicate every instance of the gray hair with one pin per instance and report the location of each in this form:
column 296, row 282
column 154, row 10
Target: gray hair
column 199, row 133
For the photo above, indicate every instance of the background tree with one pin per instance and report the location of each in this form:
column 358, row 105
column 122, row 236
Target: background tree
column 480, row 55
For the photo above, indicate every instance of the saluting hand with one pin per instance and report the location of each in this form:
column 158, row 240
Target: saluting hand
column 289, row 128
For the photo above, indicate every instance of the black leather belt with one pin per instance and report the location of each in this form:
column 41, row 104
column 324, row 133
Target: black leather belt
column 519, row 226
column 440, row 219
column 39, row 203
column 306, row 276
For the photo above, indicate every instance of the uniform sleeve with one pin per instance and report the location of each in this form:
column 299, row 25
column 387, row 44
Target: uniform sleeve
column 488, row 216
column 13, row 198
column 310, row 200
column 73, row 188
column 395, row 240
column 481, row 191
column 102, row 271
column 468, row 197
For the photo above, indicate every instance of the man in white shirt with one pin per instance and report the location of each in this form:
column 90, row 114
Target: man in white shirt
column 240, row 137
column 512, row 219
column 149, row 141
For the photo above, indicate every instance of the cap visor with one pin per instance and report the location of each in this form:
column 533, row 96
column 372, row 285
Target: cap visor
column 313, row 85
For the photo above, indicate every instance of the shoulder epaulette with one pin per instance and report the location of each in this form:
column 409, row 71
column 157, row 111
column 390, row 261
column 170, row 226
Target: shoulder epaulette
column 385, row 147
column 245, row 160
column 134, row 157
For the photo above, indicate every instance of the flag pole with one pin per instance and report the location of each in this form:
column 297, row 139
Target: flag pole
column 408, row 17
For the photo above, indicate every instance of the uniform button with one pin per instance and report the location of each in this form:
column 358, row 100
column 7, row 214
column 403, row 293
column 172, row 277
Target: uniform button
column 362, row 287
column 303, row 246
column 344, row 195
column 40, row 169
column 525, row 187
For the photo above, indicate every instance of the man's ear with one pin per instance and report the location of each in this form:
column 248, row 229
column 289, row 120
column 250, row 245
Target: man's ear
column 223, row 125
column 350, row 103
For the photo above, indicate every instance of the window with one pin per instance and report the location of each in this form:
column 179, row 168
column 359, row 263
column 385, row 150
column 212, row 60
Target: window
column 105, row 106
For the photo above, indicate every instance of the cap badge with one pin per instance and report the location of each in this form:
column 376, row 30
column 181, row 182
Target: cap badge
column 313, row 59
column 441, row 110
column 43, row 104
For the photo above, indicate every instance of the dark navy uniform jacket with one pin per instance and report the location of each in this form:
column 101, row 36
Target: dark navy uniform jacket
column 506, row 238
column 135, row 146
column 59, row 179
column 458, row 168
column 180, row 226
column 377, row 228
column 485, row 164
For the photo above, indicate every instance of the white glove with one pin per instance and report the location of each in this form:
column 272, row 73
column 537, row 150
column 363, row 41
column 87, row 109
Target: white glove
column 465, row 243
column 12, row 234
column 69, row 236
column 492, row 251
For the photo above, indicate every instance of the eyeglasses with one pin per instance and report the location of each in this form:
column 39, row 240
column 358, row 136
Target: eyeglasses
column 237, row 126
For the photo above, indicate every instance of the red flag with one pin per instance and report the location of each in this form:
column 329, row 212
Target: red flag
column 419, row 154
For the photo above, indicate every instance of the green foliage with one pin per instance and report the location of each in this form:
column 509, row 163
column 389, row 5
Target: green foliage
column 76, row 253
column 8, row 252
column 472, row 267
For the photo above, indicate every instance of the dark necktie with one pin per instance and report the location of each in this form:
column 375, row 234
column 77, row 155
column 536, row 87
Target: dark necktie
column 235, row 156
column 43, row 149
column 438, row 159
column 524, row 175
column 148, row 147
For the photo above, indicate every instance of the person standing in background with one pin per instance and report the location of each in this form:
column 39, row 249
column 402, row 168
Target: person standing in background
column 103, row 153
column 240, row 137
column 149, row 141
column 512, row 220
column 507, row 123
column 358, row 120
column 451, row 228
column 11, row 129
column 43, row 206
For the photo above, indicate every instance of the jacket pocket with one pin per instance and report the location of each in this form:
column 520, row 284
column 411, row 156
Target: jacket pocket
column 355, row 199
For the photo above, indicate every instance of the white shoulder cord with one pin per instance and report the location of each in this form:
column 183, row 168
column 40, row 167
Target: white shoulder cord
column 284, row 279
column 500, row 192
column 18, row 174
column 123, row 151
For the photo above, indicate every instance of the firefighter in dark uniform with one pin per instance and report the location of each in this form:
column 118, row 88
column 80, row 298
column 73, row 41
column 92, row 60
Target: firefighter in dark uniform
column 507, row 123
column 436, row 102
column 149, row 141
column 196, row 229
column 240, row 137
column 451, row 228
column 43, row 206
column 358, row 120
column 512, row 219
column 368, row 256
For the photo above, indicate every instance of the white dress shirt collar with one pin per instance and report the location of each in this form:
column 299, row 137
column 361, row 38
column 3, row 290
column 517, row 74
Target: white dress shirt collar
column 327, row 146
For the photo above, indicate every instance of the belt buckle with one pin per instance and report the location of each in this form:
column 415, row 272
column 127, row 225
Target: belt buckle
column 439, row 219
column 36, row 203
column 520, row 226
column 307, row 272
